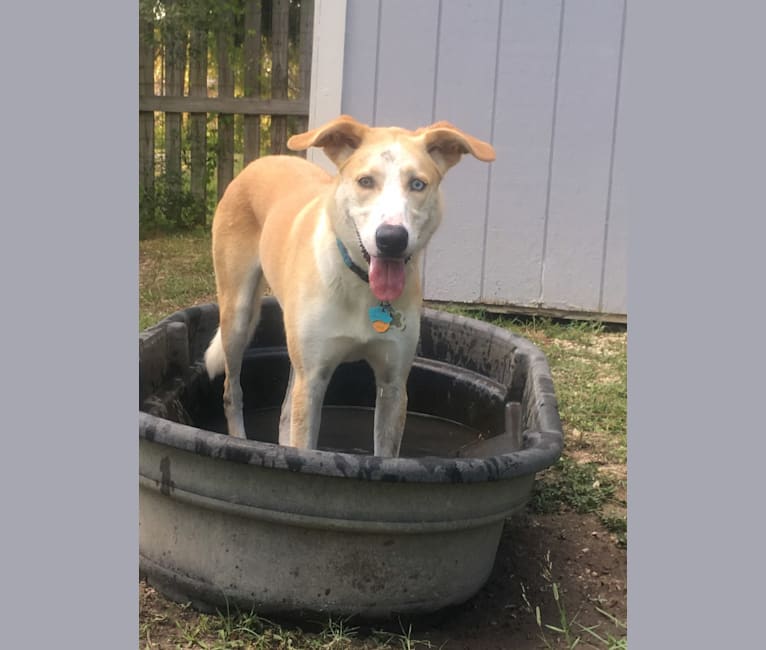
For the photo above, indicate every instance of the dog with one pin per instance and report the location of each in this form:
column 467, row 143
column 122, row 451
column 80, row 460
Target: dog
column 342, row 256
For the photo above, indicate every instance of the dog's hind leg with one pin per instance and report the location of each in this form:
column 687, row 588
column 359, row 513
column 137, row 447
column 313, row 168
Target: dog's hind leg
column 240, row 312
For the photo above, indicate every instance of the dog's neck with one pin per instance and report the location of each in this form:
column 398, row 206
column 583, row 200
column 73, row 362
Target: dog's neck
column 360, row 272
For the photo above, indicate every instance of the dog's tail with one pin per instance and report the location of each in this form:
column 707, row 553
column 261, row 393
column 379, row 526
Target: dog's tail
column 214, row 362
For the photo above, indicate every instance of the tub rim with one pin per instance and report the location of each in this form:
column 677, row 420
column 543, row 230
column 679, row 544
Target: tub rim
column 542, row 447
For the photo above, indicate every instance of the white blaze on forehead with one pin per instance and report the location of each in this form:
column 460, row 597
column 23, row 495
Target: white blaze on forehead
column 387, row 277
column 391, row 205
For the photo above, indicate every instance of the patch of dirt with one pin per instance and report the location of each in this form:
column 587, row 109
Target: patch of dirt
column 573, row 551
column 586, row 564
column 595, row 447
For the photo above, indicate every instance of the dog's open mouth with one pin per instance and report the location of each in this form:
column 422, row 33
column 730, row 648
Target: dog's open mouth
column 386, row 274
column 386, row 278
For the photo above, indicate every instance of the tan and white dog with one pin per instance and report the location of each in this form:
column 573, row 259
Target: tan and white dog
column 342, row 256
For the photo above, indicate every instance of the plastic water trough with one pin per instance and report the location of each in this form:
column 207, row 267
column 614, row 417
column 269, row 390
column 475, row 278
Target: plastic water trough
column 227, row 522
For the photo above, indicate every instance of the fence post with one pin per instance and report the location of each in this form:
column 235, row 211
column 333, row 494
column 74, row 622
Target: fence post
column 175, row 64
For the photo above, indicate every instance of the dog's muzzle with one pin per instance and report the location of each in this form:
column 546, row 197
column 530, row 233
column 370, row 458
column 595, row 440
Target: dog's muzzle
column 391, row 240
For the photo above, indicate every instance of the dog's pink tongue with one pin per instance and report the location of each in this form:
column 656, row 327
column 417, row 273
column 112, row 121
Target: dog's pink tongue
column 386, row 278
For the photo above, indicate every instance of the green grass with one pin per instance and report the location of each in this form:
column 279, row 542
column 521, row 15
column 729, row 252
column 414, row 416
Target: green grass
column 573, row 486
column 589, row 367
column 176, row 271
column 251, row 632
column 567, row 632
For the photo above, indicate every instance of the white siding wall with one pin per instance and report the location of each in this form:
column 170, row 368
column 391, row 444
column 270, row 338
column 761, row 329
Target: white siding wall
column 545, row 224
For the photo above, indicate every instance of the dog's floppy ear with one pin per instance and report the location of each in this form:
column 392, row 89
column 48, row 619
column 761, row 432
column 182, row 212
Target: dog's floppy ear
column 338, row 138
column 446, row 143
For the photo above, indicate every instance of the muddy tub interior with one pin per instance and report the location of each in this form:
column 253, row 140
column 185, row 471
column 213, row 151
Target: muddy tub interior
column 247, row 523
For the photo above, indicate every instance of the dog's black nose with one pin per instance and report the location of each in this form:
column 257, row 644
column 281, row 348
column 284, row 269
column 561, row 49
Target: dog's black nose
column 391, row 240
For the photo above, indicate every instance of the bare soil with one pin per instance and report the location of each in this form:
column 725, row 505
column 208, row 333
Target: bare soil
column 574, row 552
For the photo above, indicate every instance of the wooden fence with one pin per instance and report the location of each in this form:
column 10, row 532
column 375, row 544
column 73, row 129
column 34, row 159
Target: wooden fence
column 220, row 83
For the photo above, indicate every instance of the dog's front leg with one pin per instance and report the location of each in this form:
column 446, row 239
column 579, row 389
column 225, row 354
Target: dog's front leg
column 304, row 399
column 391, row 370
column 391, row 363
column 390, row 415
column 284, row 417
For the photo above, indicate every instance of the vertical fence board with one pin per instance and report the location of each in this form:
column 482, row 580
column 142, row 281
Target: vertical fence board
column 582, row 154
column 198, row 123
column 225, row 122
column 175, row 65
column 464, row 70
column 280, row 24
column 305, row 45
column 525, row 94
column 146, row 118
column 252, row 77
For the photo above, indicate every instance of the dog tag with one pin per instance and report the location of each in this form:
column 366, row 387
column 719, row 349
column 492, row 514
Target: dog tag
column 381, row 317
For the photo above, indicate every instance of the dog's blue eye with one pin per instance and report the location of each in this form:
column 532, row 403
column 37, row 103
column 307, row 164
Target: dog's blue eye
column 366, row 181
column 416, row 185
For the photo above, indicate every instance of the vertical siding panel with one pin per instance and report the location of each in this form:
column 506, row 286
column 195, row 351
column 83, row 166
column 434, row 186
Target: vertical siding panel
column 582, row 154
column 615, row 283
column 464, row 96
column 406, row 63
column 359, row 60
column 614, row 280
column 534, row 229
column 522, row 134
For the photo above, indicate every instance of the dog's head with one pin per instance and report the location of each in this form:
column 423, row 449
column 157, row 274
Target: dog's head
column 387, row 193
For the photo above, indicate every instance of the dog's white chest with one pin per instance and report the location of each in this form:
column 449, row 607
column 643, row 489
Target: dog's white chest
column 350, row 332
